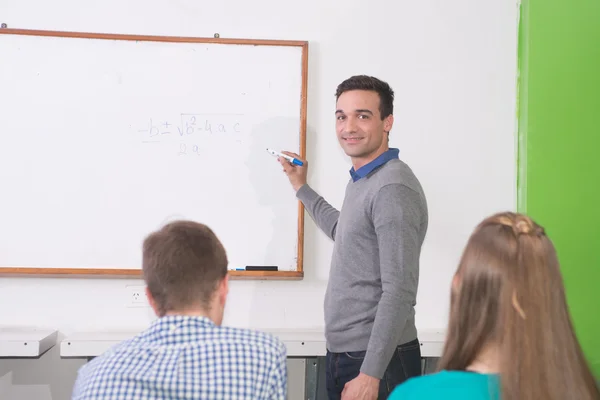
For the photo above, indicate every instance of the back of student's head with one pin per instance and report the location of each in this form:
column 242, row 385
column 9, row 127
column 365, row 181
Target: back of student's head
column 183, row 264
column 508, row 292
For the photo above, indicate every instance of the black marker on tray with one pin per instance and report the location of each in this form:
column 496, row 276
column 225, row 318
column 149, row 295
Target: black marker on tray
column 261, row 268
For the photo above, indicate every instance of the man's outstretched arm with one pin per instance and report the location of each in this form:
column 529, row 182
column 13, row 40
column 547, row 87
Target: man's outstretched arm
column 324, row 214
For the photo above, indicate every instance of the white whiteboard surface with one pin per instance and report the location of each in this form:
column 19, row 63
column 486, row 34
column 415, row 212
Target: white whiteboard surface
column 104, row 141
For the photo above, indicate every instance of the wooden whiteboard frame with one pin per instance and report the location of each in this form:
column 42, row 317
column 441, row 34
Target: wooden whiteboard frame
column 137, row 273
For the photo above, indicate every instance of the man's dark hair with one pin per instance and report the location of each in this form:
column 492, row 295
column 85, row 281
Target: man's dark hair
column 364, row 82
column 182, row 264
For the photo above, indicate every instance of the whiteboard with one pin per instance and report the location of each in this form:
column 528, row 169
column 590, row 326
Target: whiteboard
column 105, row 140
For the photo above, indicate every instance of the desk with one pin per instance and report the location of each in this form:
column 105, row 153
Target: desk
column 300, row 343
column 26, row 342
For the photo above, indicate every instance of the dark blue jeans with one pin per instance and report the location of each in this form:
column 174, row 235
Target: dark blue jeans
column 343, row 367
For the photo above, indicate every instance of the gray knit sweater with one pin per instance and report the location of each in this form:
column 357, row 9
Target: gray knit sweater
column 374, row 275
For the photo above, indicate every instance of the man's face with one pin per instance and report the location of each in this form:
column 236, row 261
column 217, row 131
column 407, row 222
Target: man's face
column 360, row 130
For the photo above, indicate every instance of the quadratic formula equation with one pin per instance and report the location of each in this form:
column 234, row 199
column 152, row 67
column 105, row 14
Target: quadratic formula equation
column 191, row 133
column 190, row 125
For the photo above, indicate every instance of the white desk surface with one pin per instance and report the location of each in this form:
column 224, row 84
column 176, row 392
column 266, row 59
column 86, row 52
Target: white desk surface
column 25, row 342
column 299, row 342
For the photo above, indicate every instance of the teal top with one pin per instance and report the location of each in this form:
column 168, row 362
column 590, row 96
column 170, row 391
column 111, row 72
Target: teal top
column 449, row 385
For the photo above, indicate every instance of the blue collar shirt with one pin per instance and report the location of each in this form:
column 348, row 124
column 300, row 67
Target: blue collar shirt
column 373, row 165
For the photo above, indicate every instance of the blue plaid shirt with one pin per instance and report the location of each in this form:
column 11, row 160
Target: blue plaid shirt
column 181, row 357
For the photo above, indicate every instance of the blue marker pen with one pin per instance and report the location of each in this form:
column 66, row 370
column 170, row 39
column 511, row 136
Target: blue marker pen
column 292, row 160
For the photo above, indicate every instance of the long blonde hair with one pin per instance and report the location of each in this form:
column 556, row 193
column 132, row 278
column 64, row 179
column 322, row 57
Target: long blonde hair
column 509, row 293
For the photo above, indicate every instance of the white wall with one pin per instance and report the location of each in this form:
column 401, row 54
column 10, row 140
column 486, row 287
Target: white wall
column 453, row 67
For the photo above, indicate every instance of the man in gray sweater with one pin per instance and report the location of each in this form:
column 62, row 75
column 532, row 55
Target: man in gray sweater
column 372, row 343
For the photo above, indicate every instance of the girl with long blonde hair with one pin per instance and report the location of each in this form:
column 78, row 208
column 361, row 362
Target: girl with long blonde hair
column 510, row 334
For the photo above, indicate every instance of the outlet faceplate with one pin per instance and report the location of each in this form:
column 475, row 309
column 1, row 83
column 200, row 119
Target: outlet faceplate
column 136, row 296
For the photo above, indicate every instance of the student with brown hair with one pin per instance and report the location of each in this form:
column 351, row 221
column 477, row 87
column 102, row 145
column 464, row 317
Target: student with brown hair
column 186, row 353
column 510, row 335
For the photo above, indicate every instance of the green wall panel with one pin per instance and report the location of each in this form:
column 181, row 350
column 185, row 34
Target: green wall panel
column 559, row 146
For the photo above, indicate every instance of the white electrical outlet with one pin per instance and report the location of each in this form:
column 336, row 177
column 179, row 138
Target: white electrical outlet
column 136, row 296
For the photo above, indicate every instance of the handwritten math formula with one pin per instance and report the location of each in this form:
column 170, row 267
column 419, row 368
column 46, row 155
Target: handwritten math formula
column 194, row 132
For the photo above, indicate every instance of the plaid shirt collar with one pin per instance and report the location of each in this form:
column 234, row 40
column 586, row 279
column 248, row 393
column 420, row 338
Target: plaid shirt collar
column 176, row 329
